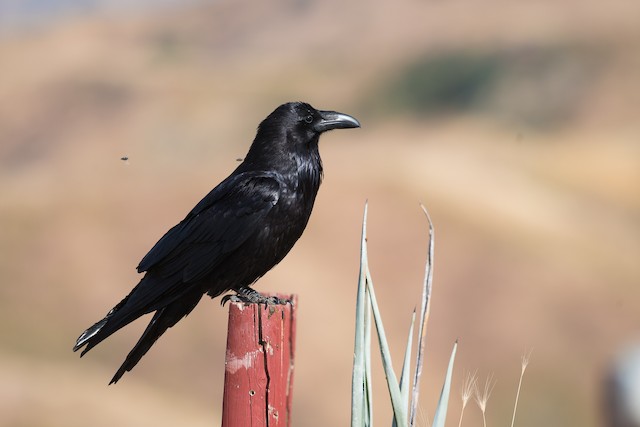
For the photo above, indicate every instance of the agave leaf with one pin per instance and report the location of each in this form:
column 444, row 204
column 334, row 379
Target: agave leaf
column 367, row 361
column 358, row 404
column 399, row 411
column 406, row 366
column 441, row 411
column 424, row 318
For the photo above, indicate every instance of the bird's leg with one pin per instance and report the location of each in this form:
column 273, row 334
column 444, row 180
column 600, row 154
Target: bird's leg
column 249, row 295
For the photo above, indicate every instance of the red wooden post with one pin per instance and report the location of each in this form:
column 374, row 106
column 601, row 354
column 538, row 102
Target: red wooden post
column 258, row 379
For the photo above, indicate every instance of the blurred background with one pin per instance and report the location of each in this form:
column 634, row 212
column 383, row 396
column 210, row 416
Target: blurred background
column 515, row 123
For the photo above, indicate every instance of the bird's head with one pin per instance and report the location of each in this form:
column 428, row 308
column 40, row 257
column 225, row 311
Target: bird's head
column 295, row 127
column 303, row 118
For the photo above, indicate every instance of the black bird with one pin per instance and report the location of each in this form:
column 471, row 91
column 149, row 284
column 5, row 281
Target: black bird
column 234, row 235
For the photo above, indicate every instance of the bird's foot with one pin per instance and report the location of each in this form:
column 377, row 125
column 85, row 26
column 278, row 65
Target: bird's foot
column 247, row 295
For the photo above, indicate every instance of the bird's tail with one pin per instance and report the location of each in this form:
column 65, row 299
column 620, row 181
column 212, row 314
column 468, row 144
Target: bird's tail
column 141, row 300
column 163, row 319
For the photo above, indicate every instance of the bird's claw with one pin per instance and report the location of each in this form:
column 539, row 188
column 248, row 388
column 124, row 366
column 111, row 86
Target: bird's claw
column 250, row 296
column 225, row 299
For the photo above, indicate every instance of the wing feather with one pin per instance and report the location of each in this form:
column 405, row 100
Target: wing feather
column 223, row 220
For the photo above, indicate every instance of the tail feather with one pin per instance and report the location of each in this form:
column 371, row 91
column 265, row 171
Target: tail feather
column 163, row 319
column 84, row 338
column 97, row 333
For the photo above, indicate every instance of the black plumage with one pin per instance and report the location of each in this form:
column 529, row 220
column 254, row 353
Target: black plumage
column 234, row 235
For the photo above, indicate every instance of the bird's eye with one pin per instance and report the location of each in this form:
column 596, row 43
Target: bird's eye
column 308, row 119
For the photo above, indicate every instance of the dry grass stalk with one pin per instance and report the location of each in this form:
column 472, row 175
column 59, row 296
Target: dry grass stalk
column 468, row 387
column 483, row 397
column 523, row 365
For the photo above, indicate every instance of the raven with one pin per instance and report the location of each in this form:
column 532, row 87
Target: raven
column 234, row 235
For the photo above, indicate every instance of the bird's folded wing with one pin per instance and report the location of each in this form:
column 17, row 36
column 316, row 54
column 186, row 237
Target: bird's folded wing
column 223, row 220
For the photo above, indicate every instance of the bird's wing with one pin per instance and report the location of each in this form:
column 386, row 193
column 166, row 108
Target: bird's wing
column 217, row 225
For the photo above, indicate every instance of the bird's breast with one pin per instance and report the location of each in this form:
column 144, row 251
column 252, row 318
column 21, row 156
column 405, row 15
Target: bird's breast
column 291, row 213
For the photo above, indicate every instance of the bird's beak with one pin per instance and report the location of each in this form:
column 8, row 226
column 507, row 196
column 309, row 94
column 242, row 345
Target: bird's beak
column 334, row 120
